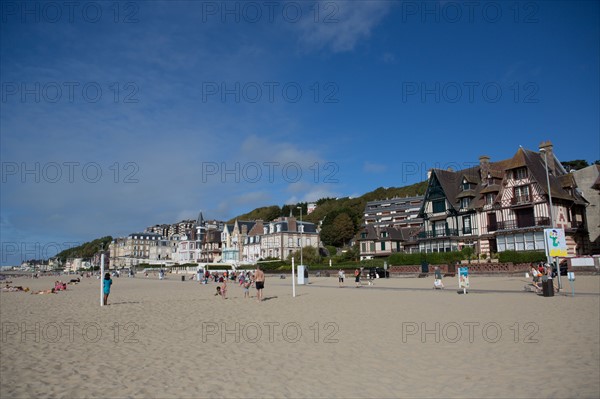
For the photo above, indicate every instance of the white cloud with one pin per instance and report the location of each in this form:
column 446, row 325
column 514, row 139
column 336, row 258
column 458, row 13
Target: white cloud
column 341, row 25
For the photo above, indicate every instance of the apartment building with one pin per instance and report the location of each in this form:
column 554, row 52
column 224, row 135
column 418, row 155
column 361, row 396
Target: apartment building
column 395, row 212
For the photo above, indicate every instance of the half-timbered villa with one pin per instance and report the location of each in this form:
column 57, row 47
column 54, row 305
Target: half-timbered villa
column 504, row 205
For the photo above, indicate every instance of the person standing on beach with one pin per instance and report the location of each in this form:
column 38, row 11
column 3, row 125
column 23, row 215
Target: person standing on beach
column 357, row 277
column 224, row 289
column 341, row 278
column 106, row 286
column 259, row 281
column 247, row 284
column 437, row 283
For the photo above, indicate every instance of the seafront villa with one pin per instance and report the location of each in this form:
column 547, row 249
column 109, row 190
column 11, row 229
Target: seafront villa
column 494, row 206
column 503, row 205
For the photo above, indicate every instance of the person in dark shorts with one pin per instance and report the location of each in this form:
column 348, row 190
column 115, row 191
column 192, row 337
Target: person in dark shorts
column 357, row 277
column 259, row 281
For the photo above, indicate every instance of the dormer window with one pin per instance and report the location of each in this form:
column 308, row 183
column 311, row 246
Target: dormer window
column 439, row 205
column 466, row 185
column 520, row 173
column 465, row 202
column 489, row 198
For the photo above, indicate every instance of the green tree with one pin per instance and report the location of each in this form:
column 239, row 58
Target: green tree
column 310, row 256
column 85, row 250
column 338, row 229
column 344, row 228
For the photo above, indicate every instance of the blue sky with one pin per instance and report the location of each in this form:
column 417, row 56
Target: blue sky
column 117, row 116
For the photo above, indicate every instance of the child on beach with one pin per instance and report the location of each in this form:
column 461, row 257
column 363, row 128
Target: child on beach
column 247, row 284
column 224, row 289
column 106, row 286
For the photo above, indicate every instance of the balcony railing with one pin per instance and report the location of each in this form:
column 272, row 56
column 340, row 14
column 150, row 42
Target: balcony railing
column 519, row 224
column 438, row 233
column 520, row 199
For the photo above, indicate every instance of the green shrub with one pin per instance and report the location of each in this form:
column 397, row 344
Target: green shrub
column 332, row 250
column 273, row 265
column 434, row 258
column 521, row 256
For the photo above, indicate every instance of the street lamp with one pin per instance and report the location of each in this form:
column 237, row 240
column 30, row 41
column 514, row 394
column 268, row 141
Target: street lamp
column 301, row 230
column 543, row 150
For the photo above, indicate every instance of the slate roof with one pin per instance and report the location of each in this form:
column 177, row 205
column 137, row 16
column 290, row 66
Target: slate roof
column 394, row 234
column 596, row 185
column 562, row 184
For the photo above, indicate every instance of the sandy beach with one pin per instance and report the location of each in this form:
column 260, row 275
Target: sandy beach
column 397, row 338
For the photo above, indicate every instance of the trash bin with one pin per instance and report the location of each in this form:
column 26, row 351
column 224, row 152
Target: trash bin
column 424, row 267
column 547, row 288
column 182, row 278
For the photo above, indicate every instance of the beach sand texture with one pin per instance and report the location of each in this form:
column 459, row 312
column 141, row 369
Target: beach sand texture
column 398, row 338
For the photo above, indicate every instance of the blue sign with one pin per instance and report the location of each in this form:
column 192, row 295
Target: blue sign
column 463, row 277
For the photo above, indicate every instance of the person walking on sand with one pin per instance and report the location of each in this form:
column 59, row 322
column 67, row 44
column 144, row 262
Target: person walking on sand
column 357, row 277
column 259, row 281
column 106, row 286
column 341, row 278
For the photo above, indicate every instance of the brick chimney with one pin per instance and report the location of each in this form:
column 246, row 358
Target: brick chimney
column 484, row 166
column 546, row 146
column 292, row 224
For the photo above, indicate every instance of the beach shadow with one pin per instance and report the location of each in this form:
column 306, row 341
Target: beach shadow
column 268, row 298
column 123, row 303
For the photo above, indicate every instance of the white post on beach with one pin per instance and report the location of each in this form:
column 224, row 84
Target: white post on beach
column 101, row 280
column 293, row 280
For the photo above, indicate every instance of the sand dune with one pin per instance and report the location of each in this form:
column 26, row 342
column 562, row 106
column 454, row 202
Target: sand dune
column 398, row 338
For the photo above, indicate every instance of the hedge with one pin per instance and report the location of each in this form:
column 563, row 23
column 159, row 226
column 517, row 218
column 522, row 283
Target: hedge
column 434, row 258
column 521, row 256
